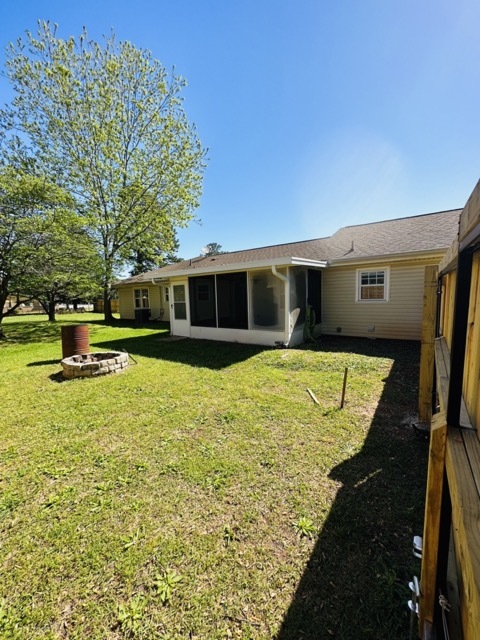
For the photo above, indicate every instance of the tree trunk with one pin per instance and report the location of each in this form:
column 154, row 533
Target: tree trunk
column 107, row 306
column 51, row 311
column 2, row 335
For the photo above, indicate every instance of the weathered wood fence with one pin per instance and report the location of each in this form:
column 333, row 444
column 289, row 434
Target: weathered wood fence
column 99, row 305
column 449, row 385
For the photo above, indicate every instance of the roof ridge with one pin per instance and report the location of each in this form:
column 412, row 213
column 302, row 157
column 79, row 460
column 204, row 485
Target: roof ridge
column 270, row 246
column 418, row 215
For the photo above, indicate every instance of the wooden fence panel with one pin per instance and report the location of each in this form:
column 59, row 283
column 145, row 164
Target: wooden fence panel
column 427, row 353
column 431, row 527
column 471, row 383
column 450, row 282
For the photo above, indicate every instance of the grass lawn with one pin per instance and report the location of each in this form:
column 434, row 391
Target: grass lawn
column 202, row 494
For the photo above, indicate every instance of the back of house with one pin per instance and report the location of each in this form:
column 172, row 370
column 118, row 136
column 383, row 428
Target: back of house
column 365, row 280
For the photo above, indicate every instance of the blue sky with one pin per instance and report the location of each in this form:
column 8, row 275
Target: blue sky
column 316, row 113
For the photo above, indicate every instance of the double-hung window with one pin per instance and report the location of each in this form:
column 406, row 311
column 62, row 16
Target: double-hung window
column 372, row 285
column 141, row 299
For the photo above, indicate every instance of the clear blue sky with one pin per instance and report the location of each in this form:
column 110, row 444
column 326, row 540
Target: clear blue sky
column 317, row 113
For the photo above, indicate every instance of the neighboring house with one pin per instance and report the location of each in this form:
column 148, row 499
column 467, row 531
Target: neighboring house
column 365, row 280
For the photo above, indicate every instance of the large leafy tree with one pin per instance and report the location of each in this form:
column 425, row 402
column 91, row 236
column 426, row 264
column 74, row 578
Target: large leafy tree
column 107, row 121
column 31, row 209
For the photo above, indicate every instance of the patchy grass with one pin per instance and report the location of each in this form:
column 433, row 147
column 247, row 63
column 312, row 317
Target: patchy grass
column 202, row 494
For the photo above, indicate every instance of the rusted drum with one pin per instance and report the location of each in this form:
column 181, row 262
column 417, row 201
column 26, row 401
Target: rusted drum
column 75, row 340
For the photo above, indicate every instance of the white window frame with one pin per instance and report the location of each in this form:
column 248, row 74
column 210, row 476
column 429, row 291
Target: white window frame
column 167, row 294
column 142, row 298
column 386, row 285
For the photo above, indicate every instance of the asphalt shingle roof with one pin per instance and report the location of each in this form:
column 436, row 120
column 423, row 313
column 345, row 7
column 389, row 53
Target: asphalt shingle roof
column 428, row 232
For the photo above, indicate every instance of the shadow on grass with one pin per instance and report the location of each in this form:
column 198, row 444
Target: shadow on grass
column 355, row 584
column 29, row 329
column 42, row 363
column 194, row 353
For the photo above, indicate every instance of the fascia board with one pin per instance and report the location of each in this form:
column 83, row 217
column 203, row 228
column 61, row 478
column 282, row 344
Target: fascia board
column 238, row 266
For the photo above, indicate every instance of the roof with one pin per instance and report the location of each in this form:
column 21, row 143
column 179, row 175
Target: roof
column 425, row 233
column 431, row 232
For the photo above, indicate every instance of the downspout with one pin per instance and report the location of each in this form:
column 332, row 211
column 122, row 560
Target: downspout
column 162, row 310
column 279, row 275
column 287, row 304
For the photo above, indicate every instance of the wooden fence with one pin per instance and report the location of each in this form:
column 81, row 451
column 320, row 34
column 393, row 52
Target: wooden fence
column 450, row 575
column 99, row 306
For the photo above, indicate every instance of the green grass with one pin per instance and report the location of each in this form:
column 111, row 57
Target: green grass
column 202, row 494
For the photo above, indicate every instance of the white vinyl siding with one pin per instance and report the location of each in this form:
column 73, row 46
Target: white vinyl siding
column 400, row 317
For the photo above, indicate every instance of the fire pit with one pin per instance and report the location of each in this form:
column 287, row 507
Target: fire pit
column 94, row 364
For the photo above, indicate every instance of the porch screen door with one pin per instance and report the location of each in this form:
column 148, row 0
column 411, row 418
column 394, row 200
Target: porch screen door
column 181, row 323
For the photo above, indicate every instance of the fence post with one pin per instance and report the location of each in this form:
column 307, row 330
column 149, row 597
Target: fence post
column 427, row 353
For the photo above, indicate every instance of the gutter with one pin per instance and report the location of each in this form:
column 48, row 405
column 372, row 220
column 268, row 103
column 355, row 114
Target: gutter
column 237, row 266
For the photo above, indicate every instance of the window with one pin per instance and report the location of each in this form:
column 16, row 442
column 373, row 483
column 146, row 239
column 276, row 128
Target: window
column 219, row 301
column 179, row 302
column 167, row 294
column 372, row 285
column 268, row 301
column 314, row 297
column 232, row 306
column 202, row 301
column 141, row 299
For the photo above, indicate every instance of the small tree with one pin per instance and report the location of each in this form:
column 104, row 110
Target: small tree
column 109, row 124
column 65, row 266
column 29, row 206
column 212, row 249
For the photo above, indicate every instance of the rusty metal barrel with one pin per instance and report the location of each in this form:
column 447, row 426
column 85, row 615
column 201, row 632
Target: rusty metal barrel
column 75, row 340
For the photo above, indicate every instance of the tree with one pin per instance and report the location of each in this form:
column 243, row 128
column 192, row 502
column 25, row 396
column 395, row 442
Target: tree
column 212, row 249
column 66, row 265
column 108, row 123
column 143, row 261
column 161, row 252
column 29, row 207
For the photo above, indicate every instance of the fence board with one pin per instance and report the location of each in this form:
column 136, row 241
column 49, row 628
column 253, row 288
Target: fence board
column 465, row 524
column 431, row 530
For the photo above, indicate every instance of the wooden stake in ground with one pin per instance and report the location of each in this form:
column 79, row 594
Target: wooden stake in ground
column 312, row 395
column 342, row 402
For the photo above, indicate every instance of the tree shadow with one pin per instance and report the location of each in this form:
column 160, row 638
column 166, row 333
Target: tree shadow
column 355, row 583
column 42, row 363
column 39, row 329
column 194, row 353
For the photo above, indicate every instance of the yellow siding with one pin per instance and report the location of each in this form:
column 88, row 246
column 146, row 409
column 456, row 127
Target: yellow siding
column 156, row 296
column 126, row 303
column 164, row 304
column 400, row 317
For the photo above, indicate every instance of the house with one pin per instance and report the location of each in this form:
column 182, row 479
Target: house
column 365, row 280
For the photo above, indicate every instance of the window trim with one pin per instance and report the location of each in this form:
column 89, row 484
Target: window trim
column 141, row 297
column 386, row 285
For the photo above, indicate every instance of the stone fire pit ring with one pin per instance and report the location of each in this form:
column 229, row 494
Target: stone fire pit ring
column 94, row 364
